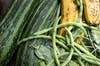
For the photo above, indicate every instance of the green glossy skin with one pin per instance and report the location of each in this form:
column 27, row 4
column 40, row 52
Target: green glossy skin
column 10, row 28
column 9, row 15
column 42, row 18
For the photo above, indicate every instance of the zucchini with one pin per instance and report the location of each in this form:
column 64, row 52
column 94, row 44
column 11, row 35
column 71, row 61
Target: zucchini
column 10, row 33
column 14, row 7
column 42, row 18
column 27, row 19
column 28, row 27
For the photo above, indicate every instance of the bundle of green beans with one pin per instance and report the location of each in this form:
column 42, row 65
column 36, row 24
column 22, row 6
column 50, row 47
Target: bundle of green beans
column 72, row 51
column 40, row 21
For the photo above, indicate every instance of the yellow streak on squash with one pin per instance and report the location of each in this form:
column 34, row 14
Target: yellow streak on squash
column 79, row 39
column 69, row 13
column 92, row 11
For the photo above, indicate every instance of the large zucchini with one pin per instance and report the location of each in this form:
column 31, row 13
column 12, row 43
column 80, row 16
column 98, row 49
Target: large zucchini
column 10, row 13
column 42, row 18
column 10, row 28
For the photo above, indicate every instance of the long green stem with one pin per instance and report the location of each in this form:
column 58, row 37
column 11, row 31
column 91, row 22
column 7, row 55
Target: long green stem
column 33, row 37
column 77, row 54
column 69, row 58
column 77, row 45
column 84, row 50
column 54, row 42
column 44, row 37
column 65, row 53
column 62, row 45
column 63, row 25
column 80, row 62
column 90, row 27
column 80, row 25
column 70, row 36
column 86, row 59
column 59, row 36
column 81, row 11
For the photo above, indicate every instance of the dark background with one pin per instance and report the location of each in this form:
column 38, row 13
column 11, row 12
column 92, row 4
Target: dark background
column 5, row 5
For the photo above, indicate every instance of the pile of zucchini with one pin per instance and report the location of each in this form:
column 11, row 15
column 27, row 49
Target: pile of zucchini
column 29, row 35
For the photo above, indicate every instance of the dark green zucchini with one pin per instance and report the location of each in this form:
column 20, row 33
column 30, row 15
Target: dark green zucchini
column 9, row 15
column 27, row 19
column 10, row 33
column 42, row 18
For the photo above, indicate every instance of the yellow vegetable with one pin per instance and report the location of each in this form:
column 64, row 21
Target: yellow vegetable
column 69, row 13
column 92, row 11
column 79, row 39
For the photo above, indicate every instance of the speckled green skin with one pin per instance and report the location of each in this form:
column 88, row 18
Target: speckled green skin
column 10, row 28
column 43, row 17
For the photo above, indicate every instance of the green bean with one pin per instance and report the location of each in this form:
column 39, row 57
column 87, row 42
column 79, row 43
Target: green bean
column 91, row 41
column 83, row 45
column 77, row 2
column 95, row 59
column 81, row 10
column 68, row 58
column 33, row 37
column 80, row 25
column 90, row 27
column 55, row 48
column 65, row 53
column 62, row 25
column 54, row 42
column 70, row 35
column 42, row 63
column 59, row 36
column 67, row 39
column 62, row 54
column 63, row 41
column 82, row 49
column 62, row 45
column 49, row 64
column 86, row 59
column 80, row 62
column 44, row 37
column 84, row 55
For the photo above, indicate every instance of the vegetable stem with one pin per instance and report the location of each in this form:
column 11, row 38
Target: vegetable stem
column 68, row 58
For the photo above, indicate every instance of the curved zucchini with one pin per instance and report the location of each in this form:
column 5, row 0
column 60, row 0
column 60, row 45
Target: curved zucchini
column 10, row 13
column 10, row 34
column 42, row 18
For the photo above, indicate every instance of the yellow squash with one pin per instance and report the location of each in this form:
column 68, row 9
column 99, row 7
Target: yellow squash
column 69, row 13
column 92, row 11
